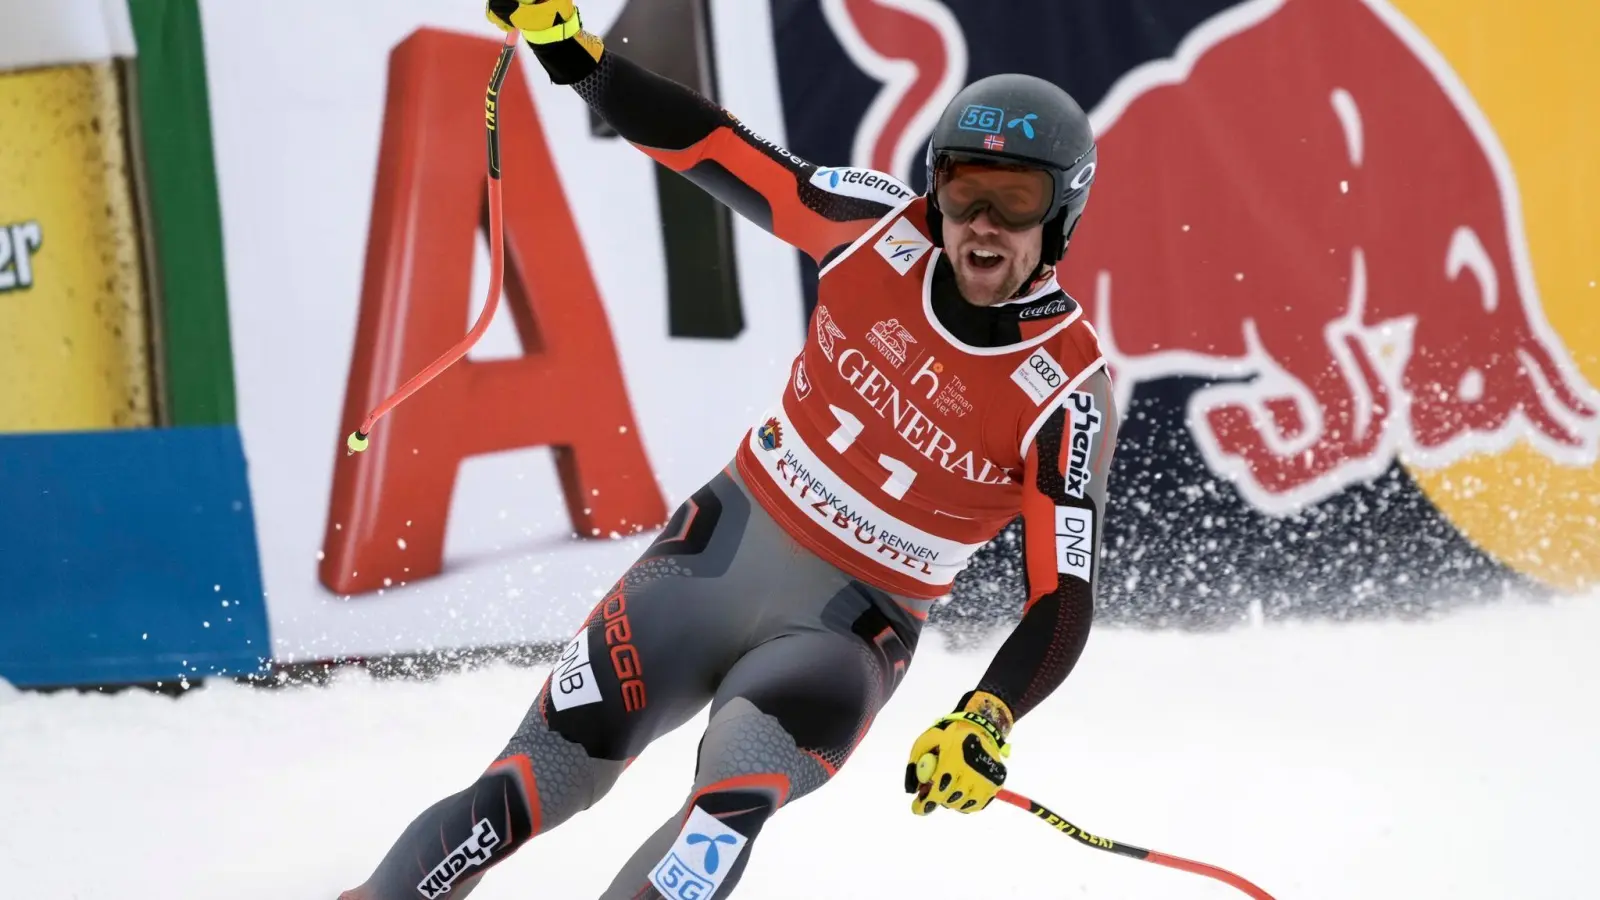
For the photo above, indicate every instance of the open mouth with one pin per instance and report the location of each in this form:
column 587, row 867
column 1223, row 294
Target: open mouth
column 984, row 260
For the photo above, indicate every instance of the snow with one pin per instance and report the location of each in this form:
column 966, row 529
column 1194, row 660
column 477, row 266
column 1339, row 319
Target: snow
column 1447, row 758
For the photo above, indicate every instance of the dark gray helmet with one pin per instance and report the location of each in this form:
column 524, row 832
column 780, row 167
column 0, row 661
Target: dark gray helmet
column 1019, row 120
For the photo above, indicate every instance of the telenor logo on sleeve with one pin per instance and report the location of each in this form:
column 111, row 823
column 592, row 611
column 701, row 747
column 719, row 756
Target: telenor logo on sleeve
column 862, row 184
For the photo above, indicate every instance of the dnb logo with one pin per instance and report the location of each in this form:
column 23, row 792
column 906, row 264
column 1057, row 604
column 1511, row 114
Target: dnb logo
column 1369, row 247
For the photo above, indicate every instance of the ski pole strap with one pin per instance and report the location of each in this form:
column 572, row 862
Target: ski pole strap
column 557, row 32
column 1100, row 843
column 983, row 722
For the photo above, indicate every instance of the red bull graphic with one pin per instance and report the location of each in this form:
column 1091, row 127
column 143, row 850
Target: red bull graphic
column 1347, row 386
column 1342, row 247
column 916, row 49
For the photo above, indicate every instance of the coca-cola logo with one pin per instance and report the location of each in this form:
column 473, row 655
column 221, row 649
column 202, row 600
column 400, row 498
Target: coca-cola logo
column 1059, row 306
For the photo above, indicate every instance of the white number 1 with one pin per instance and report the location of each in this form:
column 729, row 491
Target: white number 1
column 900, row 474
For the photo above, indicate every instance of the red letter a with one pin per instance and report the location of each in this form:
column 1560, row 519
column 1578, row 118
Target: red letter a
column 566, row 393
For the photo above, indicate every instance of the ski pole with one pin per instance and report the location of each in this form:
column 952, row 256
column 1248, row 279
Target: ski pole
column 357, row 441
column 1110, row 846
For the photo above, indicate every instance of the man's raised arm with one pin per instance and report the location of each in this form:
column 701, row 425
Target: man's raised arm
column 821, row 212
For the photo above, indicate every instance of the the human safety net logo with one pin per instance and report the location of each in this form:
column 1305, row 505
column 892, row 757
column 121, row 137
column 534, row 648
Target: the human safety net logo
column 701, row 858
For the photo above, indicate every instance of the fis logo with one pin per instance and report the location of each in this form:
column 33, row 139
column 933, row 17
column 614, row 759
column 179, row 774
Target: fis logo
column 902, row 245
column 900, row 248
column 474, row 851
column 1085, row 425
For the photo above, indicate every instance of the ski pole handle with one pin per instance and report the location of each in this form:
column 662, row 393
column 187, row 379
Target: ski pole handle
column 1099, row 843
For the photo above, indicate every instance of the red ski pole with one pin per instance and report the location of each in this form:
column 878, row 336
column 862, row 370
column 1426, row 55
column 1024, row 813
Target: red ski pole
column 1110, row 846
column 497, row 256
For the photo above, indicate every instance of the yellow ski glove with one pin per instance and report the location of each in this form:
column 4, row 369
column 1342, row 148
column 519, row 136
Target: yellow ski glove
column 540, row 21
column 957, row 762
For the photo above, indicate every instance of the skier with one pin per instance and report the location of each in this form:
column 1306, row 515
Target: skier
column 946, row 385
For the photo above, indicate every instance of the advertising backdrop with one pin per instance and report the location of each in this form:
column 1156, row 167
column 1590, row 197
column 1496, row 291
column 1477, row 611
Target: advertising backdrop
column 127, row 544
column 310, row 106
column 1340, row 252
column 1339, row 255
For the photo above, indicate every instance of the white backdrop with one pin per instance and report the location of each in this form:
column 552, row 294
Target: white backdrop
column 297, row 98
column 61, row 32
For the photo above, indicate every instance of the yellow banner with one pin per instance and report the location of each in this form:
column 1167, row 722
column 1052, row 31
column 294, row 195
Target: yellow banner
column 1534, row 81
column 74, row 335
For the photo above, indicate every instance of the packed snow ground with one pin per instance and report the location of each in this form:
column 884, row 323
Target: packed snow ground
column 1458, row 758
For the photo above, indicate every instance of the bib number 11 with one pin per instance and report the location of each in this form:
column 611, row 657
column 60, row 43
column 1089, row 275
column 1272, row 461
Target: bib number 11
column 900, row 474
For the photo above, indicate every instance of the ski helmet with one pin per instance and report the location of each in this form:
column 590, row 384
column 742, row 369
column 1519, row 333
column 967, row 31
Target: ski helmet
column 1018, row 120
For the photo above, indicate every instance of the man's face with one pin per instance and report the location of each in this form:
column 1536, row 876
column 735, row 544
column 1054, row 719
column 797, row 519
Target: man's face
column 991, row 262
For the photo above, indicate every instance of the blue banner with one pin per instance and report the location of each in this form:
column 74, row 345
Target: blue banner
column 128, row 556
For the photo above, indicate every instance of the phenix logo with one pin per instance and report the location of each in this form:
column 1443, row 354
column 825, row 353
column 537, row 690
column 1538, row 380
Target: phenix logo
column 474, row 851
column 1085, row 425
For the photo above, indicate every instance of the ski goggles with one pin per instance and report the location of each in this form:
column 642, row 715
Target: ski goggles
column 1017, row 197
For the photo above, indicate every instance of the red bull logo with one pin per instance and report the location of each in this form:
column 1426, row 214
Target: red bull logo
column 1333, row 231
column 917, row 50
column 1332, row 212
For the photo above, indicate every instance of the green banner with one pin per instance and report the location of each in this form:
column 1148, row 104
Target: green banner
column 174, row 128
